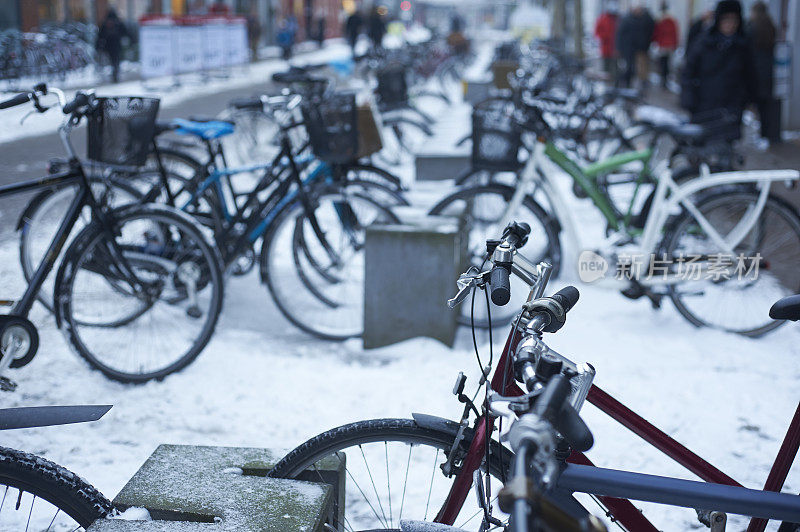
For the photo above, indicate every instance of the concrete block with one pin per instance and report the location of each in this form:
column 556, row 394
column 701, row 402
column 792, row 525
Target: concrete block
column 411, row 271
column 227, row 488
column 434, row 167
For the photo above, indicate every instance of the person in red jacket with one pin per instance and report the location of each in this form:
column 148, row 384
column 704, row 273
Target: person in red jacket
column 665, row 35
column 605, row 30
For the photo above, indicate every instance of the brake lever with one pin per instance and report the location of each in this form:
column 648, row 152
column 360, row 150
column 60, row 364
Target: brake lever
column 466, row 282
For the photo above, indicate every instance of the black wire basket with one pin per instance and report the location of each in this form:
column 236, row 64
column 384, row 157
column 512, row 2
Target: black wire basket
column 120, row 130
column 496, row 137
column 332, row 125
column 392, row 85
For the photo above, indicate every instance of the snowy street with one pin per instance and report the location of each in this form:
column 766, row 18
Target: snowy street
column 261, row 382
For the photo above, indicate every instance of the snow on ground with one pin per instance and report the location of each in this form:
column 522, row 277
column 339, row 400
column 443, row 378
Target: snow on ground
column 261, row 382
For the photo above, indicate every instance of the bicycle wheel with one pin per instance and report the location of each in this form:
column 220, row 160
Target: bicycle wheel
column 321, row 290
column 392, row 472
column 149, row 312
column 256, row 137
column 36, row 494
column 728, row 302
column 45, row 214
column 485, row 208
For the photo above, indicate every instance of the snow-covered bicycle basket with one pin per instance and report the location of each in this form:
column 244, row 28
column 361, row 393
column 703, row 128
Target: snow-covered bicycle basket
column 120, row 130
column 332, row 125
column 496, row 137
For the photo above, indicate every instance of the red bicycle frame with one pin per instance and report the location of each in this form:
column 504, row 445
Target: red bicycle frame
column 621, row 510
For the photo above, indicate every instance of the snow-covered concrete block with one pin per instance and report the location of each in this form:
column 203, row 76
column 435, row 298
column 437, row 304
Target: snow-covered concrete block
column 438, row 167
column 411, row 272
column 227, row 487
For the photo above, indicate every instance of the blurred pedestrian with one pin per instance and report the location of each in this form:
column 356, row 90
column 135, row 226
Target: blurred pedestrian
column 456, row 40
column 285, row 37
column 605, row 31
column 719, row 72
column 761, row 31
column 634, row 35
column 253, row 32
column 352, row 28
column 665, row 36
column 109, row 41
column 319, row 32
column 700, row 25
column 376, row 28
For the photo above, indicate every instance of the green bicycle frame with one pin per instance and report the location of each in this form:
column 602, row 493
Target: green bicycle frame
column 586, row 178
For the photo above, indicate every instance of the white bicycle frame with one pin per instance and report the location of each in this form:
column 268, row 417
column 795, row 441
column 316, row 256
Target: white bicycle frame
column 669, row 196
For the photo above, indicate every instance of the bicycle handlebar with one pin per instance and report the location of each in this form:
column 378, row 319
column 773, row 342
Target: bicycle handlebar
column 81, row 99
column 16, row 100
column 514, row 237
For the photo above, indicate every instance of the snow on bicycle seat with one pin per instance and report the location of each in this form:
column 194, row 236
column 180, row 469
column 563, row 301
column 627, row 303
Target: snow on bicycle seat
column 787, row 308
column 210, row 130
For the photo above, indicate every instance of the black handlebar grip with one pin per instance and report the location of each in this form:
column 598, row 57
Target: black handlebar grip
column 567, row 297
column 574, row 429
column 501, row 287
column 79, row 101
column 19, row 99
column 550, row 403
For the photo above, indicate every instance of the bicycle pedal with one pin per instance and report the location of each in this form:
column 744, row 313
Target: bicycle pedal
column 7, row 385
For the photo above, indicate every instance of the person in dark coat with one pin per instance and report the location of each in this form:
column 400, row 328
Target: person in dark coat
column 352, row 29
column 376, row 28
column 109, row 41
column 761, row 31
column 700, row 25
column 634, row 34
column 719, row 71
column 319, row 33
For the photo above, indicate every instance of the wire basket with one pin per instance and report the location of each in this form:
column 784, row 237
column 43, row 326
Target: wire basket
column 120, row 130
column 332, row 125
column 496, row 137
column 392, row 85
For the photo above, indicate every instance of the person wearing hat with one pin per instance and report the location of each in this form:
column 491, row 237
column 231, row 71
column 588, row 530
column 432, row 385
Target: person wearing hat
column 719, row 70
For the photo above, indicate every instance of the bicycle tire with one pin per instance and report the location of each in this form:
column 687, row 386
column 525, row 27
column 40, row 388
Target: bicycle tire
column 57, row 485
column 272, row 272
column 79, row 253
column 680, row 223
column 548, row 228
column 297, row 463
column 43, row 203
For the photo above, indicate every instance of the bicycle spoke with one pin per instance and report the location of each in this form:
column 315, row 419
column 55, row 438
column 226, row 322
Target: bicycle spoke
column 388, row 483
column 430, row 488
column 405, row 482
column 30, row 513
column 54, row 519
column 358, row 487
column 369, row 472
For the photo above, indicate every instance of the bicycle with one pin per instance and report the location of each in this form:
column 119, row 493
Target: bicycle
column 132, row 272
column 469, row 458
column 38, row 494
column 729, row 213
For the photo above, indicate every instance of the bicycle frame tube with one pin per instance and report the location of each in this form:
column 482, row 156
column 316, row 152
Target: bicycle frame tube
column 613, row 488
column 23, row 306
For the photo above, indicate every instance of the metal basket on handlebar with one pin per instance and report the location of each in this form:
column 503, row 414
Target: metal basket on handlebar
column 120, row 130
column 332, row 126
column 496, row 136
column 392, row 88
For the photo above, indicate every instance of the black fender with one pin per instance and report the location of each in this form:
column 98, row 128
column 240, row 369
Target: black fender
column 440, row 424
column 45, row 416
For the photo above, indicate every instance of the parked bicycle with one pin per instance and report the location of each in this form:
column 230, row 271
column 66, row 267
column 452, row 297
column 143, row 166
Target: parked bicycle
column 139, row 289
column 424, row 468
column 37, row 494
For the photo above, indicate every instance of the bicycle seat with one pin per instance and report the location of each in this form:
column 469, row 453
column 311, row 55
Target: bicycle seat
column 787, row 308
column 247, row 103
column 213, row 129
